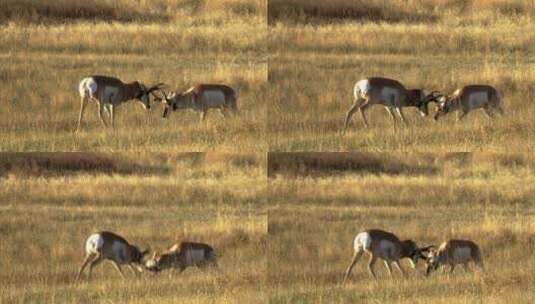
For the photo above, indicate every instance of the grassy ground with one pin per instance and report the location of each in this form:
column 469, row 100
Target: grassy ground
column 319, row 208
column 52, row 202
column 47, row 49
column 320, row 51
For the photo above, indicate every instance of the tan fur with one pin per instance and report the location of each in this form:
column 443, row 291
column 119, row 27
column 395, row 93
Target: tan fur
column 179, row 256
column 192, row 99
column 126, row 254
column 405, row 98
column 461, row 101
column 400, row 249
column 452, row 253
column 125, row 92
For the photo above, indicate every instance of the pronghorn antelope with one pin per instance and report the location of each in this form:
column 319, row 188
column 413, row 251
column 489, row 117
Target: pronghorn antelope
column 110, row 246
column 201, row 98
column 183, row 255
column 469, row 98
column 110, row 92
column 386, row 246
column 389, row 93
column 453, row 252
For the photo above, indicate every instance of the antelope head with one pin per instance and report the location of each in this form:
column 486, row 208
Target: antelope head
column 153, row 262
column 415, row 253
column 137, row 256
column 167, row 100
column 419, row 99
column 162, row 261
column 431, row 260
column 424, row 101
column 444, row 106
column 144, row 94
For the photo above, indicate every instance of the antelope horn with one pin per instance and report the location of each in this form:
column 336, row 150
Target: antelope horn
column 433, row 96
column 155, row 87
column 427, row 248
column 159, row 89
column 164, row 95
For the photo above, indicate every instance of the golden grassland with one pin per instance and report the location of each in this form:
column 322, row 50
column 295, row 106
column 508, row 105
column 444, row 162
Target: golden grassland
column 317, row 60
column 319, row 208
column 52, row 202
column 47, row 49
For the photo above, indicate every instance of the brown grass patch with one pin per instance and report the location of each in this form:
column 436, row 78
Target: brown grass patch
column 67, row 11
column 313, row 163
column 317, row 11
column 52, row 164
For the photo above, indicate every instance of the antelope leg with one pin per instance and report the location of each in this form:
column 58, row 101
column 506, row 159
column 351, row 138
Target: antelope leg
column 362, row 110
column 400, row 113
column 118, row 267
column 398, row 266
column 81, row 114
column 388, row 267
column 112, row 115
column 356, row 257
column 204, row 113
column 349, row 113
column 87, row 260
column 461, row 115
column 100, row 114
column 94, row 263
column 373, row 259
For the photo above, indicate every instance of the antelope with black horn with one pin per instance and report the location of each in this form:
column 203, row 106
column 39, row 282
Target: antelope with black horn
column 183, row 255
column 453, row 253
column 201, row 98
column 384, row 245
column 107, row 245
column 110, row 92
column 469, row 98
column 391, row 94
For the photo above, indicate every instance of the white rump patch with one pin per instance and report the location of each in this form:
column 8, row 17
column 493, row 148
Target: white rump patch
column 94, row 243
column 213, row 98
column 363, row 241
column 386, row 95
column 87, row 87
column 362, row 88
column 478, row 99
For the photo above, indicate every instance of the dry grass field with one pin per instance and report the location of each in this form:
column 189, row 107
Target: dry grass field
column 320, row 49
column 319, row 207
column 47, row 48
column 273, row 189
column 52, row 202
